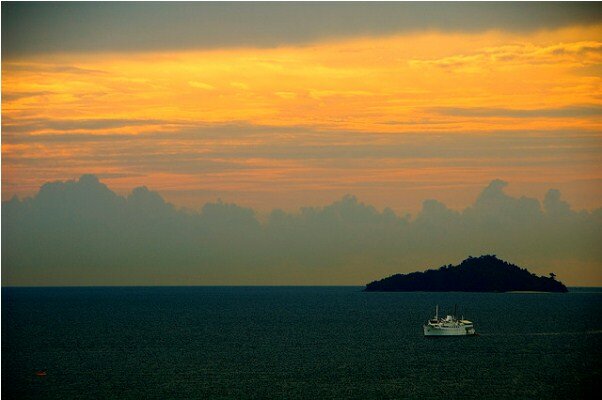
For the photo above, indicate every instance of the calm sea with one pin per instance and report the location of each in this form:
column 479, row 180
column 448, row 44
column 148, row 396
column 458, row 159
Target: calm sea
column 294, row 343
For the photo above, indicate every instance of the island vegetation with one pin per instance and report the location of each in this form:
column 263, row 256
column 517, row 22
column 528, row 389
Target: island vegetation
column 486, row 273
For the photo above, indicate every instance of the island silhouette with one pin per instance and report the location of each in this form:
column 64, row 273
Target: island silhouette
column 486, row 273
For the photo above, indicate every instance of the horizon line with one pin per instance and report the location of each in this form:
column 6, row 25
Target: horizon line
column 246, row 286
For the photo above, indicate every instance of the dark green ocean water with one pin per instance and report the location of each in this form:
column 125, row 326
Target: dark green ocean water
column 294, row 343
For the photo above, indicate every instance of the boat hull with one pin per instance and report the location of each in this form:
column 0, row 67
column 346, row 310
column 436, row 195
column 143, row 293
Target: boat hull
column 430, row 330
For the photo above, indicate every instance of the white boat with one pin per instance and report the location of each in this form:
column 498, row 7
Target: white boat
column 448, row 326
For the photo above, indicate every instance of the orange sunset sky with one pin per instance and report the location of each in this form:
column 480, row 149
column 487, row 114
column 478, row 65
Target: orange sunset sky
column 394, row 116
column 392, row 137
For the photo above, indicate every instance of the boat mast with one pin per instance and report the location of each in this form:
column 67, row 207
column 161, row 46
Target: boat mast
column 437, row 312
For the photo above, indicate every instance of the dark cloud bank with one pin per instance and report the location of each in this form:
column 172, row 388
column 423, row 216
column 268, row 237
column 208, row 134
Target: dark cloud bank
column 80, row 232
column 41, row 27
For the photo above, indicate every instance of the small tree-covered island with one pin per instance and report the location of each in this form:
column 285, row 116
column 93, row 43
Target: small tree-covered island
column 475, row 274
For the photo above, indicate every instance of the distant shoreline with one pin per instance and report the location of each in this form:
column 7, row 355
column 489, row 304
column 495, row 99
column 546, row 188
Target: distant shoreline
column 528, row 292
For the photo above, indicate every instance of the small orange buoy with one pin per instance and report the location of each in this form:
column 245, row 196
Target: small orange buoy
column 41, row 373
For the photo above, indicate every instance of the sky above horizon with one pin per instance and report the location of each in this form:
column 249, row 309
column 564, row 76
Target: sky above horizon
column 80, row 232
column 284, row 105
column 288, row 105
